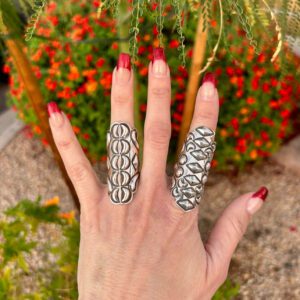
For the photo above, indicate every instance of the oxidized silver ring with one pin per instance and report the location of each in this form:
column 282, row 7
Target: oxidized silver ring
column 191, row 170
column 122, row 163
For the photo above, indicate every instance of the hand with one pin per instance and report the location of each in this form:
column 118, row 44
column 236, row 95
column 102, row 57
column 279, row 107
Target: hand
column 149, row 248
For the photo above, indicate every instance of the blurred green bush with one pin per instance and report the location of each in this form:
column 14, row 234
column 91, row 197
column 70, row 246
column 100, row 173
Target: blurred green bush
column 73, row 55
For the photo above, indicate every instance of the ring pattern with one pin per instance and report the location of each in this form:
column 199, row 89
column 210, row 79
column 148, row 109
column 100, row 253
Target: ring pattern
column 191, row 170
column 122, row 163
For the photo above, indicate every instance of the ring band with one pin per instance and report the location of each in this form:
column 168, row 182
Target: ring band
column 122, row 162
column 191, row 170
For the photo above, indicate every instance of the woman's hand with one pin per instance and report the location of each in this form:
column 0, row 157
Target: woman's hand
column 149, row 248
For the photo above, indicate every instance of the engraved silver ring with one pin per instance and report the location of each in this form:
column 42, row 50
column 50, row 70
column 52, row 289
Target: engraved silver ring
column 191, row 170
column 122, row 163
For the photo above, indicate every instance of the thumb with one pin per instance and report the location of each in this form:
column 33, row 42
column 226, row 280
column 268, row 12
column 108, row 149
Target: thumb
column 230, row 229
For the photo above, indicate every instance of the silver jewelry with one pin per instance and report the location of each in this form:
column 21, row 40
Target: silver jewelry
column 122, row 163
column 191, row 170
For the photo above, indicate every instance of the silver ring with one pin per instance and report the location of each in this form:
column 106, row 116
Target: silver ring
column 122, row 162
column 191, row 170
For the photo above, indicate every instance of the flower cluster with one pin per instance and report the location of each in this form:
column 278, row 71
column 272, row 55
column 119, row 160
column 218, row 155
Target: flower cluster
column 73, row 55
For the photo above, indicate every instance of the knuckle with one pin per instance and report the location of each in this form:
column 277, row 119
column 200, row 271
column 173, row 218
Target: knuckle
column 161, row 91
column 65, row 145
column 205, row 115
column 78, row 172
column 158, row 135
column 120, row 98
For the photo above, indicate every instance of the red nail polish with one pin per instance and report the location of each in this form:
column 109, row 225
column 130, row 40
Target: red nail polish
column 262, row 193
column 124, row 61
column 209, row 77
column 159, row 53
column 52, row 108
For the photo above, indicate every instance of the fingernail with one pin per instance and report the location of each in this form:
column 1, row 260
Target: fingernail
column 123, row 67
column 208, row 88
column 257, row 200
column 209, row 77
column 159, row 66
column 55, row 114
column 262, row 193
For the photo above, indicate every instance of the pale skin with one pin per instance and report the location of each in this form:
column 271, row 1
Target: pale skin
column 149, row 248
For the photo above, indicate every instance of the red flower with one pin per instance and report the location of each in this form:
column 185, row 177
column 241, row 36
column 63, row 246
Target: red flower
column 100, row 62
column 265, row 136
column 189, row 53
column 115, row 45
column 255, row 83
column 250, row 100
column 177, row 117
column 230, row 71
column 89, row 58
column 86, row 136
column 179, row 96
column 285, row 113
column 267, row 121
column 274, row 82
column 141, row 50
column 266, row 88
column 274, row 104
column 241, row 145
column 174, row 44
column 235, row 123
column 143, row 107
column 50, row 84
column 6, row 69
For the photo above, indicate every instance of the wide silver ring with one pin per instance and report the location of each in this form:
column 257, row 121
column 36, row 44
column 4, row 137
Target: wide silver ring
column 191, row 170
column 122, row 163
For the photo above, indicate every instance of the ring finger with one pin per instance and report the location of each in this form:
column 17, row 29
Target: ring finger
column 194, row 162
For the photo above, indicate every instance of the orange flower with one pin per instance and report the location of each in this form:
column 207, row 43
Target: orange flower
column 69, row 216
column 37, row 129
column 74, row 73
column 223, row 133
column 156, row 43
column 213, row 23
column 147, row 37
column 91, row 86
column 253, row 154
column 53, row 201
column 76, row 129
column 244, row 111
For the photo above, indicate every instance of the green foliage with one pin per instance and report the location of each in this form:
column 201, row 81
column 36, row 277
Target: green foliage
column 74, row 69
column 227, row 291
column 22, row 237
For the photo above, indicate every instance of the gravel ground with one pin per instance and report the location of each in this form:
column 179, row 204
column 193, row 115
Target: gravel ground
column 267, row 261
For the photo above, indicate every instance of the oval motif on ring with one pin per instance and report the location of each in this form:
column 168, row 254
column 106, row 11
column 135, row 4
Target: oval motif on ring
column 120, row 178
column 120, row 147
column 120, row 162
column 120, row 130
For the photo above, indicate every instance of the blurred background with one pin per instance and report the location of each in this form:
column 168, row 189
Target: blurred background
column 65, row 51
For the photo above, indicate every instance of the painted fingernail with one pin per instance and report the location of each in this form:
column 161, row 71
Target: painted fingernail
column 208, row 88
column 123, row 68
column 159, row 62
column 209, row 77
column 55, row 114
column 257, row 200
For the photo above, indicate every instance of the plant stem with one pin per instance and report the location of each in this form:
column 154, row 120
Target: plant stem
column 193, row 83
column 36, row 100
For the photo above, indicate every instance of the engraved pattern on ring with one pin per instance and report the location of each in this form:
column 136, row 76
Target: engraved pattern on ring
column 122, row 163
column 191, row 170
